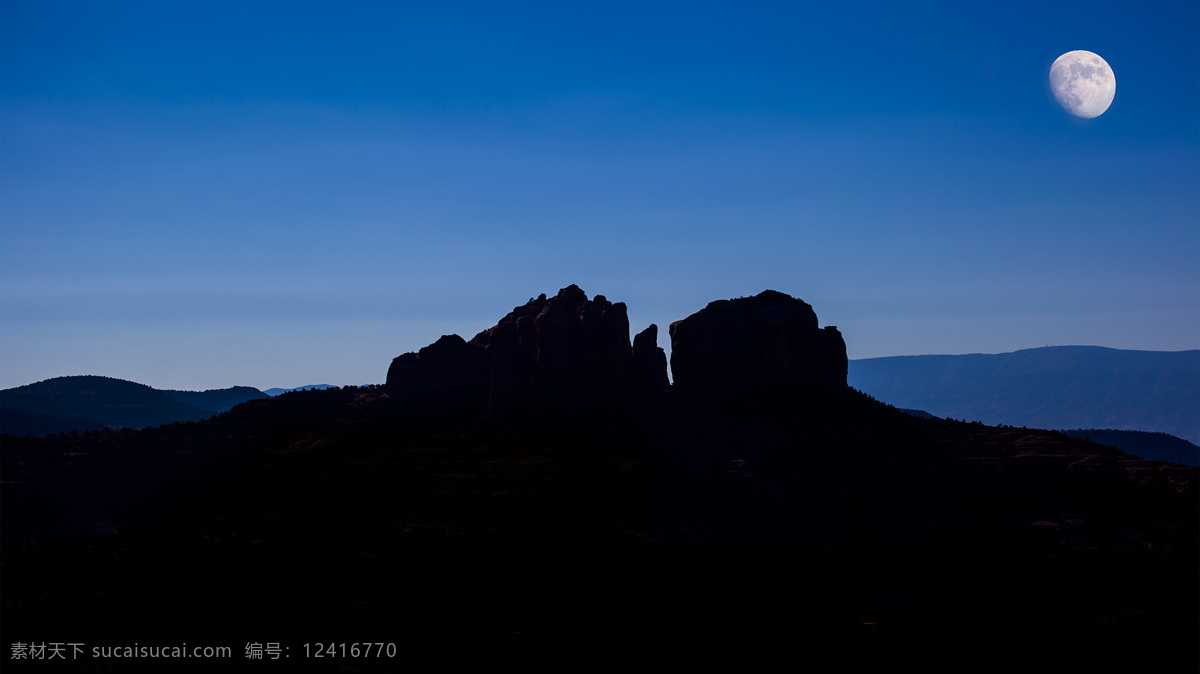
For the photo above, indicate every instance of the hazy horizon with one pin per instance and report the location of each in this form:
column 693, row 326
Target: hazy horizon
column 289, row 387
column 203, row 196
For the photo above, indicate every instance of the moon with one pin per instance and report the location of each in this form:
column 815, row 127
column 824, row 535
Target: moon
column 1083, row 83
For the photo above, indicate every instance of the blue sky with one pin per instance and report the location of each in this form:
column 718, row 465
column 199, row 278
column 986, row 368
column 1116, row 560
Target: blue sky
column 201, row 195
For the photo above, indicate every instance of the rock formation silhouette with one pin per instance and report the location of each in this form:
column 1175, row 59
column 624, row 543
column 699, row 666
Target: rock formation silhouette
column 561, row 350
column 447, row 372
column 768, row 341
column 650, row 362
column 569, row 349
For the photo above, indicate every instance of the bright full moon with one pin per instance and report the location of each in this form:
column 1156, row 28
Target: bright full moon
column 1083, row 83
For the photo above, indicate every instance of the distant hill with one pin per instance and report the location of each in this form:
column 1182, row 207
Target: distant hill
column 272, row 392
column 82, row 403
column 217, row 400
column 1153, row 446
column 1059, row 387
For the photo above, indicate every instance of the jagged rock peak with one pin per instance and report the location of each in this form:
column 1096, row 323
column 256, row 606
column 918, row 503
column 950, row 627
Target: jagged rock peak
column 573, row 295
column 559, row 349
column 769, row 340
column 564, row 347
column 650, row 362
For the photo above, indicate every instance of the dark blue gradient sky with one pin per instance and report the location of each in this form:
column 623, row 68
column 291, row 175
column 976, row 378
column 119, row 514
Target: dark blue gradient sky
column 200, row 195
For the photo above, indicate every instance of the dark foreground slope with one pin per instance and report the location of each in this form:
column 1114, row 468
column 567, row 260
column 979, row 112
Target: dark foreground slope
column 810, row 519
column 1157, row 446
column 539, row 494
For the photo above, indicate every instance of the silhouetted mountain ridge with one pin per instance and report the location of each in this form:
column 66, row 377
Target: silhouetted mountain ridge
column 272, row 392
column 88, row 402
column 217, row 400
